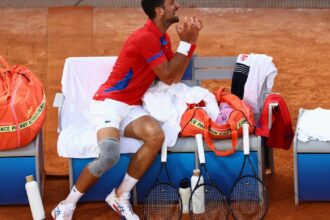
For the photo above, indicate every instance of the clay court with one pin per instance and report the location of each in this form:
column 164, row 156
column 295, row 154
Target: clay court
column 297, row 39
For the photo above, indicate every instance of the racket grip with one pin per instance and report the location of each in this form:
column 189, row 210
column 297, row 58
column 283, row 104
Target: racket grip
column 163, row 158
column 246, row 143
column 200, row 148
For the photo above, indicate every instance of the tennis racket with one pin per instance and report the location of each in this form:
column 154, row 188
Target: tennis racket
column 207, row 201
column 163, row 201
column 248, row 196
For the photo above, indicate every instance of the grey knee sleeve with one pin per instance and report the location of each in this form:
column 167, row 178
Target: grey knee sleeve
column 109, row 155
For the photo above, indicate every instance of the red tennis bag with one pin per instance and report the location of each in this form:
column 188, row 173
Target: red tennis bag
column 22, row 106
column 196, row 121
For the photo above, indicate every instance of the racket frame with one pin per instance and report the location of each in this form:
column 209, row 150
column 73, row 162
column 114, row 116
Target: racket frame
column 262, row 189
column 201, row 158
column 157, row 182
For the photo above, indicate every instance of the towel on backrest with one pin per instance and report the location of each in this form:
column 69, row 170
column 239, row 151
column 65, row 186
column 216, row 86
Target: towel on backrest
column 81, row 78
column 255, row 73
column 281, row 133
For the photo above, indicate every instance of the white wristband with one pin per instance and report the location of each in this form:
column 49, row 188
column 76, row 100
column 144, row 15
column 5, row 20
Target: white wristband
column 184, row 48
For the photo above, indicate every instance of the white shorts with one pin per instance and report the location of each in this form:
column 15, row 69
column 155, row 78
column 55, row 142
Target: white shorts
column 112, row 113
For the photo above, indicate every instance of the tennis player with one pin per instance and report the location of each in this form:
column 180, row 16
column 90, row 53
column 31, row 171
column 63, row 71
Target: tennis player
column 116, row 106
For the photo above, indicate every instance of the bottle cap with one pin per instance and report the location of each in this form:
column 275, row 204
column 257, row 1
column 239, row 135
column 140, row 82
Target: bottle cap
column 29, row 178
column 196, row 172
column 184, row 183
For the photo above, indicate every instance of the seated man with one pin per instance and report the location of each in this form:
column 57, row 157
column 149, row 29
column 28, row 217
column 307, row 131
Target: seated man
column 146, row 54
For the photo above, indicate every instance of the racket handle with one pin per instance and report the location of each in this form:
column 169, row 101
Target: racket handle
column 164, row 153
column 200, row 148
column 246, row 143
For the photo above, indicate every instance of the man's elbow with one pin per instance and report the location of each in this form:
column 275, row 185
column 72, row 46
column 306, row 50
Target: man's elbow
column 168, row 80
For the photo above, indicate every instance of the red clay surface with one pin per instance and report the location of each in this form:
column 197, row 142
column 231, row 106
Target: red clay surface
column 297, row 39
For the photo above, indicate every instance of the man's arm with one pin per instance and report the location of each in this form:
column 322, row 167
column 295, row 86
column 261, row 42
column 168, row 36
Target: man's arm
column 172, row 71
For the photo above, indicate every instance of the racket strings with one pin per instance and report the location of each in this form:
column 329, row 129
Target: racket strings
column 249, row 199
column 162, row 202
column 208, row 202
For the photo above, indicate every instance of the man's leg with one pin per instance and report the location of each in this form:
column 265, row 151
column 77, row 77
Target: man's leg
column 87, row 178
column 106, row 117
column 149, row 131
column 108, row 140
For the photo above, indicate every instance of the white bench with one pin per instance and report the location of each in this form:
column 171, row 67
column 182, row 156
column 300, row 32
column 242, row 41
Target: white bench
column 201, row 68
column 311, row 168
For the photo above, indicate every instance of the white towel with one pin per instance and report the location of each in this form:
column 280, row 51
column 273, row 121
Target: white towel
column 314, row 125
column 167, row 104
column 260, row 79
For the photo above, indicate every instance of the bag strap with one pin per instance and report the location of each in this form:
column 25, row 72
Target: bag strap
column 209, row 142
column 221, row 91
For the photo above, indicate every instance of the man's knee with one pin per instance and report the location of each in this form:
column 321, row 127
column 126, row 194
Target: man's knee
column 154, row 135
column 109, row 155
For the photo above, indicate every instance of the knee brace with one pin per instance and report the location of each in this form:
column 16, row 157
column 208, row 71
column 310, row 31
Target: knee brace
column 109, row 155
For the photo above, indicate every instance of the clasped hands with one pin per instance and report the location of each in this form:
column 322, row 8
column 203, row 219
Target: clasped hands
column 189, row 30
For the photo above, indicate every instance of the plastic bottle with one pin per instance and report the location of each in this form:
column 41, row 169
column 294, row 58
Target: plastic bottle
column 185, row 193
column 34, row 198
column 198, row 201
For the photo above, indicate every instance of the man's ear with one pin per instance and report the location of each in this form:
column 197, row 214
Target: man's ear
column 160, row 11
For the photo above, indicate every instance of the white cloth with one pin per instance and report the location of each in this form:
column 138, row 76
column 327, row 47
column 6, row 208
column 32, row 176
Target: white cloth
column 260, row 79
column 167, row 104
column 314, row 125
column 81, row 78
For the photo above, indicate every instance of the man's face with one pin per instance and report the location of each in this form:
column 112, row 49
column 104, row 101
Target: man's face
column 170, row 11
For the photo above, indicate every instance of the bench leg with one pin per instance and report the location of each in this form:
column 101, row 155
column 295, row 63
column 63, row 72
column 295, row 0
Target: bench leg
column 269, row 160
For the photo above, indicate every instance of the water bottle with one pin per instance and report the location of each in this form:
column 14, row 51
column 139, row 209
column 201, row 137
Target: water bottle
column 185, row 192
column 34, row 198
column 198, row 201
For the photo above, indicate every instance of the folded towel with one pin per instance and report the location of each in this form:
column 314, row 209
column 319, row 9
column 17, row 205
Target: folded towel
column 314, row 125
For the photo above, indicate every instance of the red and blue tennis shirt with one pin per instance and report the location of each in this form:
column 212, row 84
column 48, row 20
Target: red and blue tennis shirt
column 132, row 73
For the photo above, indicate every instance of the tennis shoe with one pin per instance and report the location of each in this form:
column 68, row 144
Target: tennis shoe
column 63, row 211
column 121, row 205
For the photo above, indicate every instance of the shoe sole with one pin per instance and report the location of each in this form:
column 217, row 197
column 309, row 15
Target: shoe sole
column 121, row 216
column 52, row 214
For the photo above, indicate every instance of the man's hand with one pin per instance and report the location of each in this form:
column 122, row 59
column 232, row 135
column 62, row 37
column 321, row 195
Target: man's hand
column 172, row 71
column 189, row 31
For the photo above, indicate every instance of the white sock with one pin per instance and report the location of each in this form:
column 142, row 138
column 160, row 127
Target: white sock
column 73, row 196
column 126, row 185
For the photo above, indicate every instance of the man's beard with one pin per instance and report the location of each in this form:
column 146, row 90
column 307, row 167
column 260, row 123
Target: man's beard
column 174, row 19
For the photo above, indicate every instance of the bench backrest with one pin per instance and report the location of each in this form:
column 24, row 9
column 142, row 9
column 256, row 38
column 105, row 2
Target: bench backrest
column 213, row 67
column 208, row 68
column 80, row 71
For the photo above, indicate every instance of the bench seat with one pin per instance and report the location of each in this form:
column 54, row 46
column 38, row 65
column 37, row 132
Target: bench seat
column 311, row 168
column 15, row 165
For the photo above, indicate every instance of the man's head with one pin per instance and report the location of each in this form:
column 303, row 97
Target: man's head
column 165, row 9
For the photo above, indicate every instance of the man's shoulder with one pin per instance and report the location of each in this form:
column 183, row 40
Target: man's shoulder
column 143, row 34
